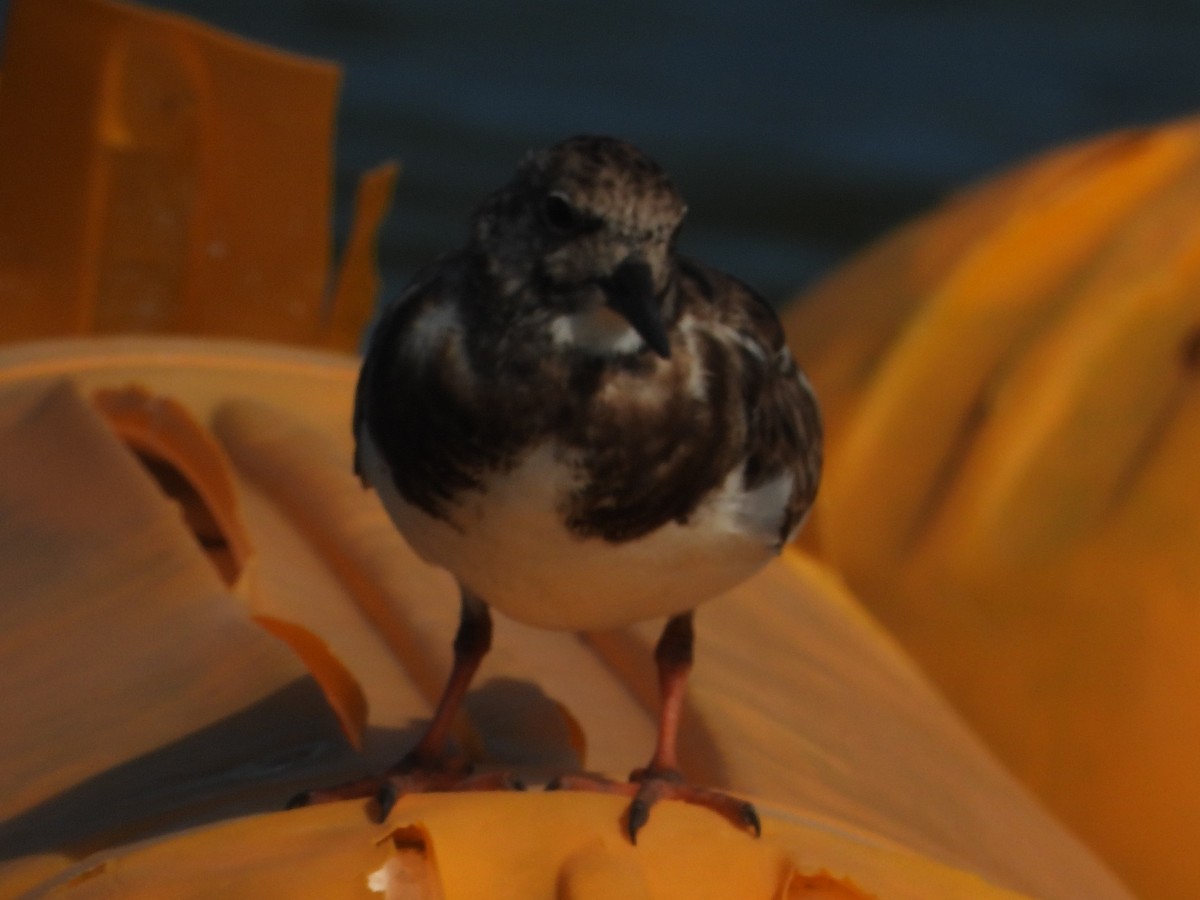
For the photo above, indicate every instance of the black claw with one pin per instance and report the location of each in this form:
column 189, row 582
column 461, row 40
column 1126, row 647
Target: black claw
column 517, row 784
column 750, row 817
column 639, row 815
column 385, row 799
column 554, row 784
column 298, row 800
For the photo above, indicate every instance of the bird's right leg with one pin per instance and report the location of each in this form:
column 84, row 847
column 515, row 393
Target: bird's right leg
column 427, row 767
column 471, row 644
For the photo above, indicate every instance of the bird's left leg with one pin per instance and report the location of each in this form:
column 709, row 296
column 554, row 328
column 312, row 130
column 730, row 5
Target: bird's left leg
column 428, row 767
column 661, row 779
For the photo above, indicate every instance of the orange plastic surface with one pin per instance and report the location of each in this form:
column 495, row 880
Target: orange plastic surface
column 157, row 175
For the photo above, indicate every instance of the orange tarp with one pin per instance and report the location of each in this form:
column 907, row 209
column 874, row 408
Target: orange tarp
column 191, row 631
column 159, row 175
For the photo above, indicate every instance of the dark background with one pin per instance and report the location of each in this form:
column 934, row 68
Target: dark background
column 796, row 131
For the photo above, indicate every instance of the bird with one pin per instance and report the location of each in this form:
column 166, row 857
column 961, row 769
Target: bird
column 587, row 429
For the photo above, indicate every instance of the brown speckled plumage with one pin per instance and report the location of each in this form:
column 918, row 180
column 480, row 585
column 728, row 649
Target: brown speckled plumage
column 496, row 385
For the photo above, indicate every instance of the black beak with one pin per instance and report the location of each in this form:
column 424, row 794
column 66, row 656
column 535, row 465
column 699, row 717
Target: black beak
column 630, row 292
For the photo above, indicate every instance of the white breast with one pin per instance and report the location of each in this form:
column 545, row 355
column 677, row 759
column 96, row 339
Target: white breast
column 509, row 546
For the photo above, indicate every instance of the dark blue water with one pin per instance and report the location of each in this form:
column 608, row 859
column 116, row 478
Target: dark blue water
column 797, row 131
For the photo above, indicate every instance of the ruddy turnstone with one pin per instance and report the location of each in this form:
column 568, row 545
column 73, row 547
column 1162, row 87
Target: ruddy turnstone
column 585, row 428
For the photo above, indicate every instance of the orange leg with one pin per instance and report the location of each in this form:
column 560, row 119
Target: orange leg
column 471, row 644
column 673, row 656
column 426, row 767
column 661, row 779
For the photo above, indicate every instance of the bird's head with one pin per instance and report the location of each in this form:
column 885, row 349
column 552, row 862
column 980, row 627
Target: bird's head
column 587, row 227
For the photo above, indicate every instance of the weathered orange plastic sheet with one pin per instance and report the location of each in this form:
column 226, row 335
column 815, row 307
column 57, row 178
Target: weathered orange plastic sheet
column 1012, row 386
column 124, row 663
column 517, row 847
column 202, row 610
column 798, row 698
column 158, row 175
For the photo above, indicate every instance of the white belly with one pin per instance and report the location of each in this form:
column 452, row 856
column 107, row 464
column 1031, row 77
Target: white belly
column 511, row 549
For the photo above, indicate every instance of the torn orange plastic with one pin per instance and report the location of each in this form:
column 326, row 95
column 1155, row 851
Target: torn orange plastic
column 158, row 175
column 517, row 846
column 118, row 640
column 358, row 281
column 758, row 725
column 1038, row 394
column 822, row 886
column 159, row 428
column 340, row 687
column 892, row 280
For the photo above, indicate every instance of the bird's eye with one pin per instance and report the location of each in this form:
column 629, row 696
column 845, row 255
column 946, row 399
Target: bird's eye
column 560, row 215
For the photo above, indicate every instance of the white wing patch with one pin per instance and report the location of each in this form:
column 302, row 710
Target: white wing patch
column 430, row 329
column 736, row 338
column 759, row 511
column 697, row 379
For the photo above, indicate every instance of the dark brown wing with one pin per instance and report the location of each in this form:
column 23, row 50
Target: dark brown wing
column 783, row 422
column 736, row 399
column 407, row 403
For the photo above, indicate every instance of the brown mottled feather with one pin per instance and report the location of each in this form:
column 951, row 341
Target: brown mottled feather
column 495, row 386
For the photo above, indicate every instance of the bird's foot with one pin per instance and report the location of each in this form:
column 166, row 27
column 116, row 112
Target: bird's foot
column 412, row 775
column 647, row 786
